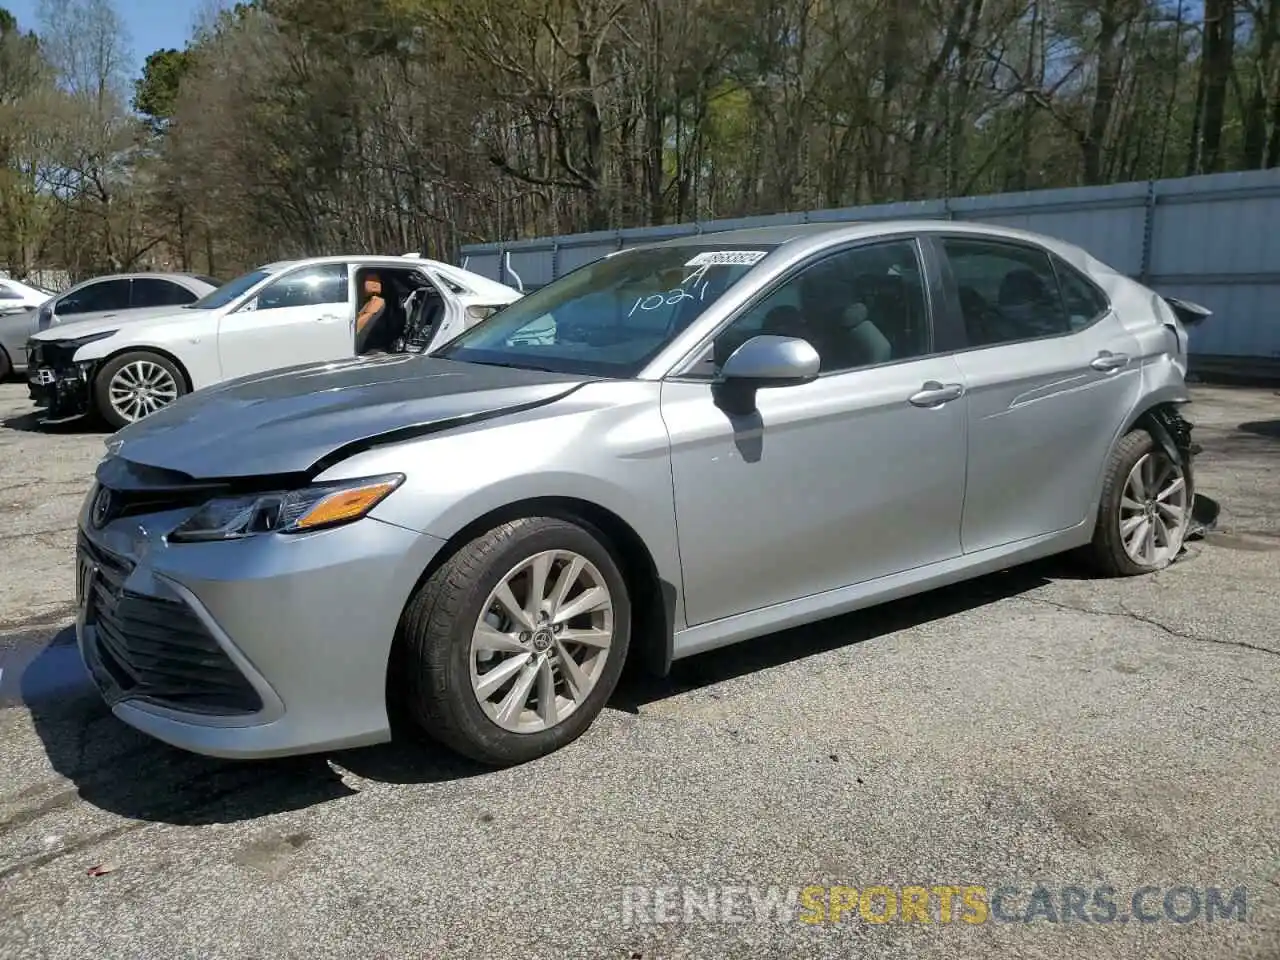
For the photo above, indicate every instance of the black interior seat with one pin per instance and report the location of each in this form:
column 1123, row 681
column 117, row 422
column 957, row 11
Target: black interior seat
column 893, row 322
column 784, row 321
column 1022, row 287
column 973, row 308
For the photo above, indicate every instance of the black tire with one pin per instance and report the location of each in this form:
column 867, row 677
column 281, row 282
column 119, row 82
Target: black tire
column 102, row 383
column 6, row 365
column 434, row 643
column 1107, row 553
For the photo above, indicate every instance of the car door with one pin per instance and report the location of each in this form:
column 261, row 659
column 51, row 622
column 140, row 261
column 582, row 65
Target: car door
column 302, row 316
column 1051, row 375
column 854, row 476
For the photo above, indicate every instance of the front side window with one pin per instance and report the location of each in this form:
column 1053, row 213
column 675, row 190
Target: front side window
column 310, row 287
column 154, row 292
column 1008, row 292
column 611, row 317
column 7, row 293
column 106, row 295
column 858, row 308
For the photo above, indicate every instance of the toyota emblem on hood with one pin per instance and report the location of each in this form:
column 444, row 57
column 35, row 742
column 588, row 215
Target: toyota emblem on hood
column 102, row 504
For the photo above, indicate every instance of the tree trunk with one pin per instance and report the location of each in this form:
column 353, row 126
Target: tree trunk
column 1219, row 47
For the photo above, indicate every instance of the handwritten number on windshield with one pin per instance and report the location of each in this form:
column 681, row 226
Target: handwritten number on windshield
column 669, row 299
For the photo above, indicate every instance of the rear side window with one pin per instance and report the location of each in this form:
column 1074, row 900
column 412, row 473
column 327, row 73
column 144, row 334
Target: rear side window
column 153, row 292
column 1084, row 302
column 106, row 295
column 1008, row 292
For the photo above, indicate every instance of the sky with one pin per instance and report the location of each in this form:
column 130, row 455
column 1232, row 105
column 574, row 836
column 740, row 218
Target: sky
column 152, row 24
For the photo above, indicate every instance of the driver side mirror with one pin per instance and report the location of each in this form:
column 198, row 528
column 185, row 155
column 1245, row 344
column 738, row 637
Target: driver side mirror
column 764, row 361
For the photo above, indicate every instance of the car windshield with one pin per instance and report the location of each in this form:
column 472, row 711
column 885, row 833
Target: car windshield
column 610, row 317
column 229, row 290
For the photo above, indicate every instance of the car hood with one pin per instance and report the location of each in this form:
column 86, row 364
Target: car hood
column 292, row 421
column 90, row 323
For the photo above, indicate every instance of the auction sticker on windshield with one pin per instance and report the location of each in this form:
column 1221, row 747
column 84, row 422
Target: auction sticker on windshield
column 720, row 258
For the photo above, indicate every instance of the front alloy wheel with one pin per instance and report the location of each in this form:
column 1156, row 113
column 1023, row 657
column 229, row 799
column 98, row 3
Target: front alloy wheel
column 542, row 641
column 512, row 646
column 135, row 385
column 141, row 388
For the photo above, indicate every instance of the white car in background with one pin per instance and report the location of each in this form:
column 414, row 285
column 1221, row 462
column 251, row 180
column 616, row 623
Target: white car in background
column 126, row 296
column 283, row 314
column 18, row 305
column 14, row 294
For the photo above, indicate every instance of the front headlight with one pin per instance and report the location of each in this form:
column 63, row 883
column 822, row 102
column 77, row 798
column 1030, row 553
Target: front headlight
column 78, row 342
column 286, row 511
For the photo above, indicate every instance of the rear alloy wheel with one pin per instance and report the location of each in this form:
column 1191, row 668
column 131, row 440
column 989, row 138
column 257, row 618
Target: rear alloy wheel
column 135, row 385
column 1145, row 508
column 517, row 641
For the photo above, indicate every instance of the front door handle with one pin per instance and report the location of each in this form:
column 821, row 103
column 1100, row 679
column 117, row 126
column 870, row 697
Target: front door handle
column 1108, row 361
column 935, row 394
column 330, row 317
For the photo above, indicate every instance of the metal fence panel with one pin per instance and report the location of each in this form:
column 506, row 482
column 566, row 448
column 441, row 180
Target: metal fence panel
column 1211, row 239
column 1214, row 241
column 484, row 262
column 1109, row 222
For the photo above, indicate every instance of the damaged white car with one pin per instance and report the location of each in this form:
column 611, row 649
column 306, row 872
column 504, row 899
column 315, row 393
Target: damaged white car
column 280, row 315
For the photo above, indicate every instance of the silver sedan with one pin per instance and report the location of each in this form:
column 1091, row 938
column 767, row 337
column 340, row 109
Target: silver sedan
column 674, row 448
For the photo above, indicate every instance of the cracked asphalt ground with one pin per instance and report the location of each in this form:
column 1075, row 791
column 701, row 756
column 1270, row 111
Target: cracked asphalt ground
column 1032, row 726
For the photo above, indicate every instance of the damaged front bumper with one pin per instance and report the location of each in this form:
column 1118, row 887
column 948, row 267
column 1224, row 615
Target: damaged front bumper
column 57, row 383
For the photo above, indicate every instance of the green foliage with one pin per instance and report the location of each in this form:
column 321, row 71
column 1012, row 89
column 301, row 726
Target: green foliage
column 156, row 91
column 293, row 126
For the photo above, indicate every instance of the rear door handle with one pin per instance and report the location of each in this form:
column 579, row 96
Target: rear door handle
column 1108, row 361
column 935, row 394
column 330, row 317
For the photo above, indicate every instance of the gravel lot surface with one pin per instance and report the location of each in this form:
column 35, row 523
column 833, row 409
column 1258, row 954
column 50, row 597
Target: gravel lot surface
column 1035, row 726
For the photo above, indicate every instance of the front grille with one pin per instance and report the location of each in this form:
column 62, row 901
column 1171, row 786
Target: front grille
column 136, row 488
column 129, row 503
column 46, row 353
column 155, row 649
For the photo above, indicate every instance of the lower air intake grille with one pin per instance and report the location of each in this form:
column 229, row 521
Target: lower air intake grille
column 154, row 649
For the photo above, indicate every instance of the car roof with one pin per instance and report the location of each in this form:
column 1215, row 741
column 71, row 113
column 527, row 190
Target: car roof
column 143, row 275
column 477, row 283
column 819, row 234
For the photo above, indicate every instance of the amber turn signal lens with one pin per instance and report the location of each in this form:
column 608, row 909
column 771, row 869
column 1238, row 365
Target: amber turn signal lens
column 345, row 505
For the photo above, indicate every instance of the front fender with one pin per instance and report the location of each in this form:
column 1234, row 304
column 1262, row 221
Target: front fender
column 97, row 351
column 605, row 446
